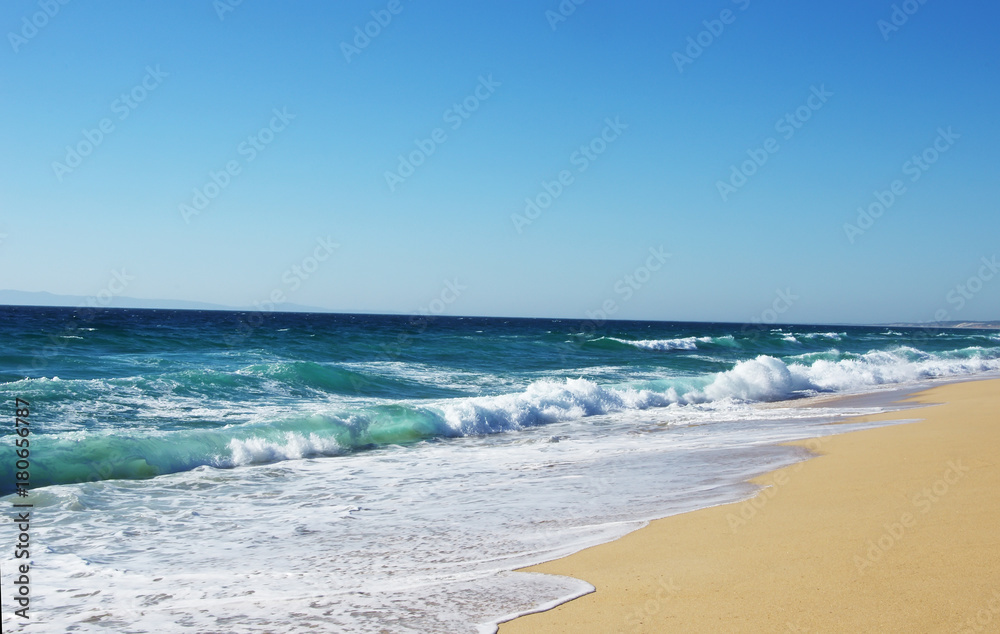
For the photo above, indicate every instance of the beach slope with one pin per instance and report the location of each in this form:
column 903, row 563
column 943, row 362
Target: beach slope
column 894, row 529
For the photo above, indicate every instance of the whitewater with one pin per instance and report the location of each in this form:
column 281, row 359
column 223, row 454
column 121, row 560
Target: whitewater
column 383, row 473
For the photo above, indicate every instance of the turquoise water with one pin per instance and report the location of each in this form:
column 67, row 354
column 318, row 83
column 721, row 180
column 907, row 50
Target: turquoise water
column 135, row 394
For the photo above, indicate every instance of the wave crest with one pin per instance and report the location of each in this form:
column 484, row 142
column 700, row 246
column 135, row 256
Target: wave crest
column 79, row 457
column 682, row 343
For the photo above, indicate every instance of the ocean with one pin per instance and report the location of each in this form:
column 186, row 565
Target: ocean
column 248, row 472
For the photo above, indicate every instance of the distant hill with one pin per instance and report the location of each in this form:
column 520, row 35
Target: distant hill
column 42, row 298
column 982, row 325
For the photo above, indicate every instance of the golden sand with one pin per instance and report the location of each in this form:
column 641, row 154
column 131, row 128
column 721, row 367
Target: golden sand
column 894, row 529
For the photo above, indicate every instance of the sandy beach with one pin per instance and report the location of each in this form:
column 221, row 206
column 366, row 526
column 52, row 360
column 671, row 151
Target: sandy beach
column 893, row 529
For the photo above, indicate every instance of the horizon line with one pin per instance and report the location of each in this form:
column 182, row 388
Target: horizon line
column 984, row 324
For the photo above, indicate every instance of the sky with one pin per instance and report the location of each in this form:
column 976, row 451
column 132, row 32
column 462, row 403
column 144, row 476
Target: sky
column 700, row 161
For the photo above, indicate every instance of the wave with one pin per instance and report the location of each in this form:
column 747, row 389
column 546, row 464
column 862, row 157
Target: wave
column 682, row 343
column 836, row 336
column 546, row 401
column 332, row 379
column 292, row 378
column 768, row 378
column 72, row 457
column 800, row 337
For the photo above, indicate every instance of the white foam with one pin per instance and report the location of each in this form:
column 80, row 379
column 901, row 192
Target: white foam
column 826, row 335
column 257, row 450
column 767, row 378
column 762, row 379
column 582, row 590
column 415, row 539
column 683, row 343
column 545, row 401
column 427, row 374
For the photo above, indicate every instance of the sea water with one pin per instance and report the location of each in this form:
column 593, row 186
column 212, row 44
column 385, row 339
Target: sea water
column 250, row 472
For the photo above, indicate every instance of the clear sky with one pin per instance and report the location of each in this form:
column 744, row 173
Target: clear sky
column 206, row 149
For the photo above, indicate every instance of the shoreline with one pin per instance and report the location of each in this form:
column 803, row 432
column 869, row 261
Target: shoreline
column 893, row 526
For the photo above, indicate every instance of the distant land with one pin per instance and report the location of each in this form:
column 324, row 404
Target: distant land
column 42, row 298
column 982, row 325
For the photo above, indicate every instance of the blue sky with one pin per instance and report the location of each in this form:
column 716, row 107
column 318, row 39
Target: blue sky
column 190, row 89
